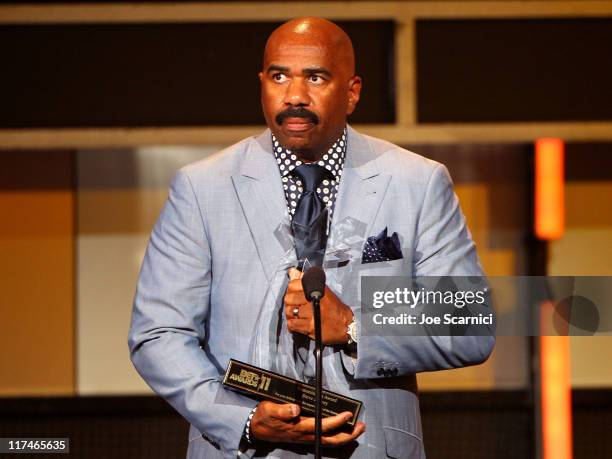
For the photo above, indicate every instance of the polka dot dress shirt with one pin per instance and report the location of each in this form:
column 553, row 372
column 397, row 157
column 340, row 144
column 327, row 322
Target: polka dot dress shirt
column 333, row 161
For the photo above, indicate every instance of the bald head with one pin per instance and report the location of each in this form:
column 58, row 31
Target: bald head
column 314, row 31
column 308, row 85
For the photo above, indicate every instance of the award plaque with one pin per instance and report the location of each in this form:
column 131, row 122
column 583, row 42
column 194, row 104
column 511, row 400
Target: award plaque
column 266, row 385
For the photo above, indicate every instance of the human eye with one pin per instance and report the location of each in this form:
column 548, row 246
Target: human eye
column 316, row 79
column 279, row 77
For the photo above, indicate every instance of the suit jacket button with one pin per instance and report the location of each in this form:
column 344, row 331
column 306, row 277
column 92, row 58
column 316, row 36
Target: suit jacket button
column 380, row 372
column 387, row 373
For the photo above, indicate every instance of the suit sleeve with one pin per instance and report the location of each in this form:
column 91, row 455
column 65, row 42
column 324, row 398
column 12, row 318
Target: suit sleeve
column 168, row 323
column 443, row 247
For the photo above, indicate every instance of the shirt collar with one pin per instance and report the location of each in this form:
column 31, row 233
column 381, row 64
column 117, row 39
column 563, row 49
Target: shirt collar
column 333, row 160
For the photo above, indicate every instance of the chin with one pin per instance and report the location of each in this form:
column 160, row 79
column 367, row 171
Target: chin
column 297, row 143
column 300, row 143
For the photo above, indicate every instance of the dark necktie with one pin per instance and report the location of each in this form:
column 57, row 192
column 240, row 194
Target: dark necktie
column 309, row 225
column 309, row 221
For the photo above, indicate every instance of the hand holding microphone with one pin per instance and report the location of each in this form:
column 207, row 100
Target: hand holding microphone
column 335, row 315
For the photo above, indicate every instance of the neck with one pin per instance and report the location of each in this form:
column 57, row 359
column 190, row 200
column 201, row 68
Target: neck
column 309, row 156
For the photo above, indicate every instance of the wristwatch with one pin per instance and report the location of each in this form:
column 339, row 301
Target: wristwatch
column 352, row 332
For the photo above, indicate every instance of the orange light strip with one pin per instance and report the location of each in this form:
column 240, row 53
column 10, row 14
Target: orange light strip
column 549, row 190
column 556, row 393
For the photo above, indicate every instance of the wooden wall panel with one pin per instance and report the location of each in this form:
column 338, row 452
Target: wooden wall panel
column 586, row 250
column 120, row 194
column 36, row 274
column 491, row 182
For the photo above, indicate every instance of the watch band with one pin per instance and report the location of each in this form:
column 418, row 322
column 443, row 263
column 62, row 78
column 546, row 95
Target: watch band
column 247, row 428
column 352, row 332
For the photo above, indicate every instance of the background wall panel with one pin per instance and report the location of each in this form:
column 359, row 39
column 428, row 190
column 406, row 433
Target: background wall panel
column 133, row 75
column 489, row 70
column 37, row 273
column 120, row 194
column 586, row 248
column 492, row 184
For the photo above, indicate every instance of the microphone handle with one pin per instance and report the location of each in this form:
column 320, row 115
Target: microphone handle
column 316, row 306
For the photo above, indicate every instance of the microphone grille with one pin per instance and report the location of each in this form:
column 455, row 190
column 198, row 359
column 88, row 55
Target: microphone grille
column 313, row 281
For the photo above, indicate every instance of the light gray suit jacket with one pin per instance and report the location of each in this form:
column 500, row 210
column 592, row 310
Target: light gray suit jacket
column 209, row 263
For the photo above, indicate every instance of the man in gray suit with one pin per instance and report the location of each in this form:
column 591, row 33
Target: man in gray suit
column 213, row 284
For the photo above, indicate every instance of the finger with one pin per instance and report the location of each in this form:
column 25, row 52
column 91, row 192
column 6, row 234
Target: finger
column 304, row 311
column 344, row 437
column 283, row 411
column 307, row 425
column 295, row 298
column 333, row 422
column 303, row 326
column 295, row 286
column 295, row 273
column 290, row 311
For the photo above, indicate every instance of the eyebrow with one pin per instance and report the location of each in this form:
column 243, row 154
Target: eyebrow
column 307, row 70
column 317, row 70
column 277, row 68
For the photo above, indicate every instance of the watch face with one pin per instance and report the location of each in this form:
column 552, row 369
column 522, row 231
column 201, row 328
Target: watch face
column 352, row 331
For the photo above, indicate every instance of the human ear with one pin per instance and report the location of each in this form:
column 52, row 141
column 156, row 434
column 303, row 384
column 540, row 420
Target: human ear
column 354, row 90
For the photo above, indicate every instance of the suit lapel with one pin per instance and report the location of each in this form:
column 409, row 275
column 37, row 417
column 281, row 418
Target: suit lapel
column 262, row 198
column 362, row 187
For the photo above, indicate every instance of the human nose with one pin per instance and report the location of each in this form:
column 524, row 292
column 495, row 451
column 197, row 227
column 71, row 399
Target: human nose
column 297, row 93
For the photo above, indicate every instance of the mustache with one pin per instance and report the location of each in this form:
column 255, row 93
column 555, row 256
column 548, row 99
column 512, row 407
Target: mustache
column 299, row 112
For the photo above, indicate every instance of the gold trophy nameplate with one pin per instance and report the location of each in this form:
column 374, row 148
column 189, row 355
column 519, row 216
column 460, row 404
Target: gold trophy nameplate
column 267, row 385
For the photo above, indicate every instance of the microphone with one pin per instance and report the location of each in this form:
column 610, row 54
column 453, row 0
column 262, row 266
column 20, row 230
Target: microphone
column 313, row 283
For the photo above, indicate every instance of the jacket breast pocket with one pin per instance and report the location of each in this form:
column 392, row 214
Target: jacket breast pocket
column 384, row 268
column 403, row 445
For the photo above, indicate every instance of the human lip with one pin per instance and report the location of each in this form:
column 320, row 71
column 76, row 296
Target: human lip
column 298, row 124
